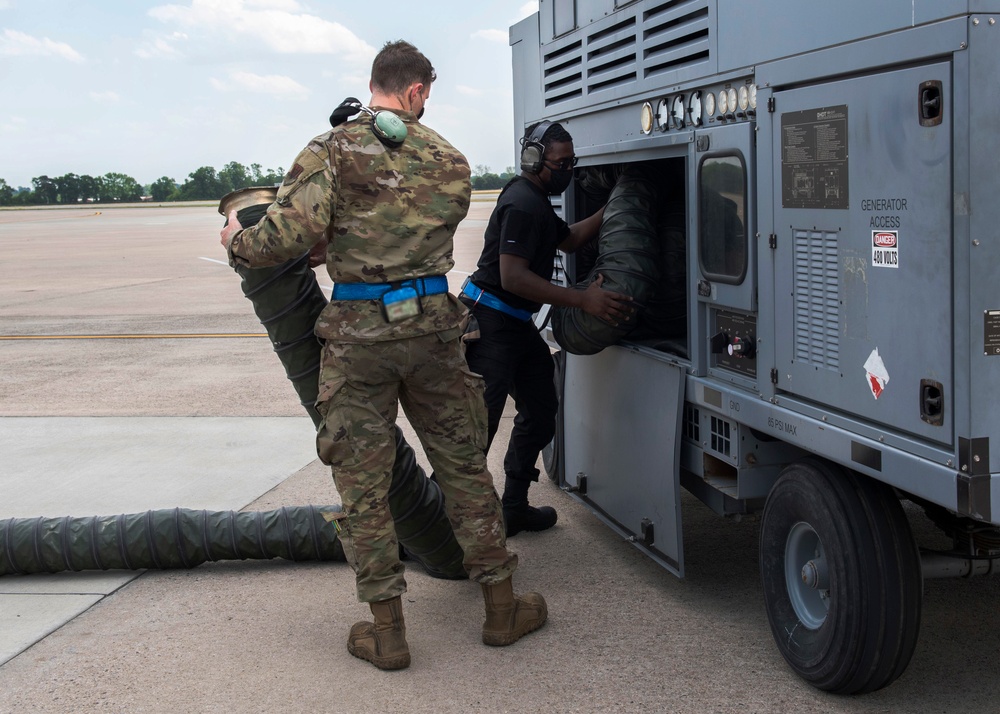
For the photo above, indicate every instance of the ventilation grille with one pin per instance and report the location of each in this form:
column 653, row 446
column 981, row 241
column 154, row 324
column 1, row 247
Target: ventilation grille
column 817, row 299
column 721, row 436
column 675, row 35
column 691, row 426
column 614, row 56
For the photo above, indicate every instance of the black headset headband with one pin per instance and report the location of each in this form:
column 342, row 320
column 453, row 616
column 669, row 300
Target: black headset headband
column 532, row 148
column 538, row 133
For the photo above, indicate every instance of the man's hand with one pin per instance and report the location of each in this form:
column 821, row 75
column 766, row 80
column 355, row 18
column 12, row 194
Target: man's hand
column 231, row 228
column 317, row 254
column 605, row 304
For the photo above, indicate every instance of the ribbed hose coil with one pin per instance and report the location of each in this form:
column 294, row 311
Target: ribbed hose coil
column 629, row 259
column 287, row 300
column 170, row 538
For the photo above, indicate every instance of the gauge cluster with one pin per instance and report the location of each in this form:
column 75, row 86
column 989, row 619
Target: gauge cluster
column 733, row 102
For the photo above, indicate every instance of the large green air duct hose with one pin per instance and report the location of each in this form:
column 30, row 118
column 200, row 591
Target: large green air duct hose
column 629, row 259
column 641, row 253
column 665, row 316
column 287, row 299
column 174, row 538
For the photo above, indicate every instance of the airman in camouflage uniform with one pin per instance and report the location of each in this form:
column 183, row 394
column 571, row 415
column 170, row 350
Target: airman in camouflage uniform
column 389, row 214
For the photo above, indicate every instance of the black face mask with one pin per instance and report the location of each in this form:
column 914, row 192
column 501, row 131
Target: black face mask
column 420, row 113
column 558, row 181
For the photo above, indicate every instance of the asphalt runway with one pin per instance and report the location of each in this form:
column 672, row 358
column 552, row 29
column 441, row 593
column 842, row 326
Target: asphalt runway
column 126, row 344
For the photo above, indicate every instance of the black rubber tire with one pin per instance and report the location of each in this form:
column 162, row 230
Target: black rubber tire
column 865, row 638
column 552, row 460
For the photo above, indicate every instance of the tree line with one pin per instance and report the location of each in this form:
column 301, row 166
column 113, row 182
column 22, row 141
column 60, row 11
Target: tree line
column 203, row 184
column 485, row 180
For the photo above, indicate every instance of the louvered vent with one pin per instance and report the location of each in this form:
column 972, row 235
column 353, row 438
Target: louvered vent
column 692, row 422
column 675, row 35
column 817, row 299
column 562, row 72
column 615, row 55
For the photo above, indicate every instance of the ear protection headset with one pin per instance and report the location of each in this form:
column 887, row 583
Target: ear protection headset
column 533, row 150
column 387, row 127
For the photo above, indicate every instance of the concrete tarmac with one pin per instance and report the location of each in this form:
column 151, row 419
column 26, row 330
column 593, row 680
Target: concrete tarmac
column 134, row 377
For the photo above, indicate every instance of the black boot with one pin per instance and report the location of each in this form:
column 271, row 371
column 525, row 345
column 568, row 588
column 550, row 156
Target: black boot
column 518, row 515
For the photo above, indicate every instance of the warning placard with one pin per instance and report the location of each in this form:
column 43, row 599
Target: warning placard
column 885, row 249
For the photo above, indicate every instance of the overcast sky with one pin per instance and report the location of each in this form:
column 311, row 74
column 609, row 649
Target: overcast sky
column 153, row 89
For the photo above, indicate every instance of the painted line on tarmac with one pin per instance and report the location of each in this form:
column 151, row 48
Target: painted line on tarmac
column 181, row 336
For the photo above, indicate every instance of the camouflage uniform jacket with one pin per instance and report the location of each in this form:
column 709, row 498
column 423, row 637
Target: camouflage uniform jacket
column 389, row 215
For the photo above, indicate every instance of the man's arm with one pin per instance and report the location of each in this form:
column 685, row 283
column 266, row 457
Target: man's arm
column 294, row 223
column 582, row 232
column 516, row 277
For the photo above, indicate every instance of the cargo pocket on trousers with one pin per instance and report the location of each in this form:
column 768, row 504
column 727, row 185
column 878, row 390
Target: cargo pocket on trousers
column 475, row 397
column 333, row 443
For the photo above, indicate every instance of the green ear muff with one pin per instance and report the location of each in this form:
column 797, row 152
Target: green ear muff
column 389, row 128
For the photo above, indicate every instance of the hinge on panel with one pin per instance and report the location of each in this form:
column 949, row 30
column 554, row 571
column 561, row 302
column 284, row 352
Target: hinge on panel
column 772, row 241
column 774, row 376
column 974, row 456
column 770, row 104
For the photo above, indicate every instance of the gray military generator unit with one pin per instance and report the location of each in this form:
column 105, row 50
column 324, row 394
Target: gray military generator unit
column 831, row 170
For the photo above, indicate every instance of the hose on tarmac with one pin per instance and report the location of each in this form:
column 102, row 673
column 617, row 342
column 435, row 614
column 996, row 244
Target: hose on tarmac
column 287, row 299
column 184, row 538
column 170, row 538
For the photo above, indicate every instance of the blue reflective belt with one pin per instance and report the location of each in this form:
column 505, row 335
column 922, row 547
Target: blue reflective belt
column 432, row 285
column 484, row 298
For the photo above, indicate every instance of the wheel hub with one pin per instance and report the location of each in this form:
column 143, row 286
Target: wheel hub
column 807, row 575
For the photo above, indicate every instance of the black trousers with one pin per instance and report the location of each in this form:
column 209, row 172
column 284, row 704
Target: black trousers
column 514, row 360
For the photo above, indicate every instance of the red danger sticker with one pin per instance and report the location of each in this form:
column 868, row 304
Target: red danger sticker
column 885, row 249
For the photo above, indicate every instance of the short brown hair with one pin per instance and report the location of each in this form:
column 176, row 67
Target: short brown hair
column 398, row 65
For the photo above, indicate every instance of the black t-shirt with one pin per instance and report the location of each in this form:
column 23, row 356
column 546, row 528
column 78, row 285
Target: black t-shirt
column 523, row 224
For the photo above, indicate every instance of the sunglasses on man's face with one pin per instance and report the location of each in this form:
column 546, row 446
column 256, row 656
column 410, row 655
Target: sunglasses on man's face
column 564, row 165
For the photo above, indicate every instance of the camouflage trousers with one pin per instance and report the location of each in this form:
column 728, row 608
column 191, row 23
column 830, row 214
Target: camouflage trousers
column 361, row 388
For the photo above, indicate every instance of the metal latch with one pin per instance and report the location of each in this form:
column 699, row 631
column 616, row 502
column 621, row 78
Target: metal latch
column 931, row 102
column 646, row 532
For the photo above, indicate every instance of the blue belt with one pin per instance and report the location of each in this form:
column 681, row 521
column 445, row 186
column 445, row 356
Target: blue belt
column 484, row 298
column 432, row 285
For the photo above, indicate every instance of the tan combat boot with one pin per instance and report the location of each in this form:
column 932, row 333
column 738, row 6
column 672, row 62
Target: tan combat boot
column 510, row 617
column 383, row 643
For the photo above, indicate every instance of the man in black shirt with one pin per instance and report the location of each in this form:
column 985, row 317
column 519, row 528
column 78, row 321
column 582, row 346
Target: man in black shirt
column 512, row 281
